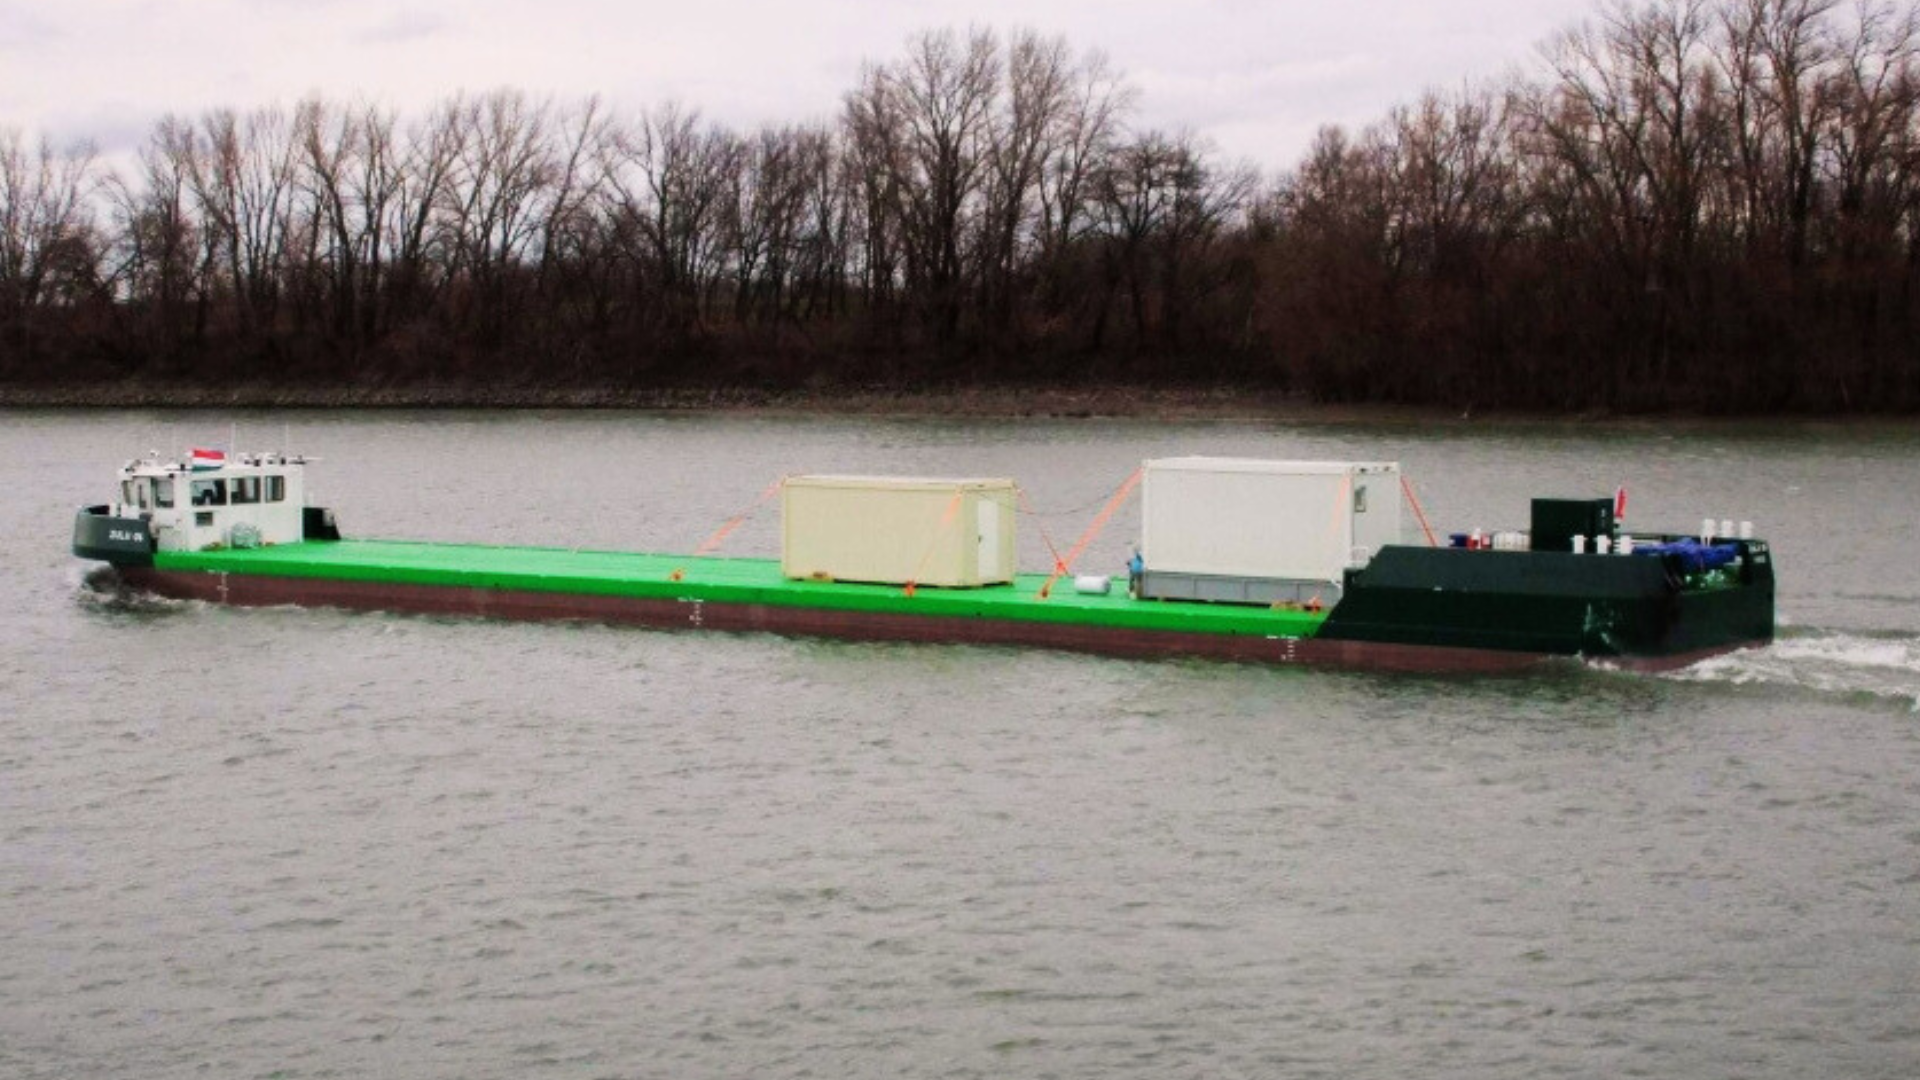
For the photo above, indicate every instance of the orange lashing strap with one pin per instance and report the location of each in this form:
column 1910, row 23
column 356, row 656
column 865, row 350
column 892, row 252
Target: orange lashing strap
column 1063, row 567
column 1418, row 514
column 712, row 543
column 1059, row 564
column 1342, row 505
column 946, row 522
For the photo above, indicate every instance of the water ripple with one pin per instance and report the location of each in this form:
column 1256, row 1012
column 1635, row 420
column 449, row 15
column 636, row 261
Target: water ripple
column 318, row 844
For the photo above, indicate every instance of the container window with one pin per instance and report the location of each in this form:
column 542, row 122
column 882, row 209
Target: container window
column 245, row 489
column 1360, row 499
column 276, row 489
column 163, row 493
column 203, row 517
column 209, row 493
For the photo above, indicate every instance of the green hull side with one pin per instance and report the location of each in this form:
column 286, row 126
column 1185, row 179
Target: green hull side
column 712, row 580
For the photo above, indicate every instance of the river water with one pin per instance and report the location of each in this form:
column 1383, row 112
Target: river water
column 302, row 843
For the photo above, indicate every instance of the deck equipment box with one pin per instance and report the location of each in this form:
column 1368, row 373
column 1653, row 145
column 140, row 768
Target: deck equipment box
column 895, row 530
column 1256, row 531
column 1557, row 521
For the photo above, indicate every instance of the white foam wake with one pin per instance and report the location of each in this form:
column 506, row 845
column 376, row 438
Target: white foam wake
column 1885, row 667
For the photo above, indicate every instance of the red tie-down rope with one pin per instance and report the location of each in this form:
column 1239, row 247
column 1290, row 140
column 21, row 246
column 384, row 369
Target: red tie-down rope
column 1063, row 567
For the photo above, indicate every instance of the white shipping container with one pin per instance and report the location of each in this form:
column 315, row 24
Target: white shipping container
column 893, row 530
column 1249, row 518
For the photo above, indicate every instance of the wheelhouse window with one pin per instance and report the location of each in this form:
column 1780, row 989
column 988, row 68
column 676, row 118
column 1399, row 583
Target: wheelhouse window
column 127, row 497
column 276, row 489
column 163, row 493
column 209, row 493
column 245, row 489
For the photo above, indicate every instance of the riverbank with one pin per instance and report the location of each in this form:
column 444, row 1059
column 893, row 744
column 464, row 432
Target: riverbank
column 1059, row 402
column 968, row 402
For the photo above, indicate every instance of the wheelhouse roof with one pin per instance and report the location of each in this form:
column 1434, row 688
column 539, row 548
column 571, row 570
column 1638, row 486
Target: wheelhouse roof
column 240, row 465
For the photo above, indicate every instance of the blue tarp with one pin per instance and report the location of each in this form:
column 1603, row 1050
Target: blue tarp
column 1694, row 556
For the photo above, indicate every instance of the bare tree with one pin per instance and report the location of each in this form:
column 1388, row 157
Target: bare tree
column 929, row 119
column 768, row 219
column 243, row 180
column 670, row 177
column 1100, row 101
column 822, row 253
column 1703, row 203
column 875, row 168
column 576, row 184
column 337, row 148
column 1876, row 89
column 46, row 224
column 1021, row 144
column 1773, row 57
column 1163, row 204
column 1452, row 183
column 497, row 201
column 420, row 227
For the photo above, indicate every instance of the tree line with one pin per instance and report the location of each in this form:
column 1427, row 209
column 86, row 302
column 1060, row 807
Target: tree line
column 1701, row 204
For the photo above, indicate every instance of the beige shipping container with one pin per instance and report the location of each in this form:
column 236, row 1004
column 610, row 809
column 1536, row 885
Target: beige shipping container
column 893, row 530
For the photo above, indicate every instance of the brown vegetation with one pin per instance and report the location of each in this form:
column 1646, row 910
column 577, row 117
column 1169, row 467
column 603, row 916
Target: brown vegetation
column 1701, row 204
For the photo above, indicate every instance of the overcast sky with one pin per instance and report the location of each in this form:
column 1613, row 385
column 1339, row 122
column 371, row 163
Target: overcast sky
column 1257, row 77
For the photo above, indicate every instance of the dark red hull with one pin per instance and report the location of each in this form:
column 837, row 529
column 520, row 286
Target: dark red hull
column 264, row 591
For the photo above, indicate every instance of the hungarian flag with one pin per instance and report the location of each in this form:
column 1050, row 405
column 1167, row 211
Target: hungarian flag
column 206, row 459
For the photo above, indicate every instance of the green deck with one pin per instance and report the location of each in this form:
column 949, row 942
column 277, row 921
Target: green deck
column 711, row 580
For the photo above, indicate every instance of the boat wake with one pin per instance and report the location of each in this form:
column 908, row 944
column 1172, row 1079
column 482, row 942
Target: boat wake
column 102, row 589
column 1863, row 667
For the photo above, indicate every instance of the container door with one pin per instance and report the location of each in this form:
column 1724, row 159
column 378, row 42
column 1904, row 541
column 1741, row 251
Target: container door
column 988, row 520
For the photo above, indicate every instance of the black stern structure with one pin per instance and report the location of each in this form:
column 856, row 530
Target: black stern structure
column 1651, row 605
column 123, row 541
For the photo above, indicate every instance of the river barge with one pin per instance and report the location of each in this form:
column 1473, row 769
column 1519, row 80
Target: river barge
column 1267, row 562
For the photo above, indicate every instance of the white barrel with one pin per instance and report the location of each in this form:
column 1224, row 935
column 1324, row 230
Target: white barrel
column 1602, row 545
column 1579, row 545
column 1625, row 546
column 1706, row 530
column 1746, row 530
column 1092, row 584
column 1726, row 529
